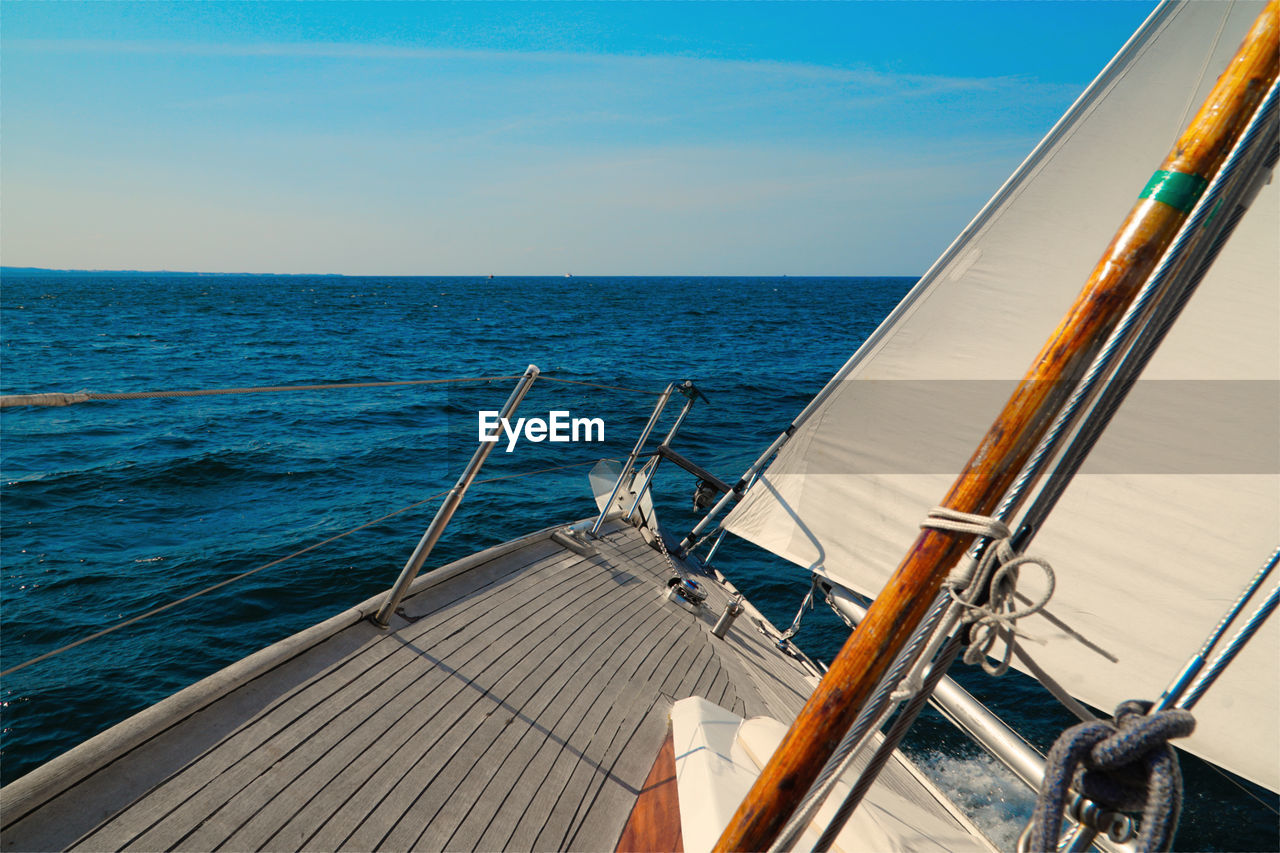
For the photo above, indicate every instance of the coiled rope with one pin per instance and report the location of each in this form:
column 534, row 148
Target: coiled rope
column 134, row 619
column 71, row 398
column 1125, row 765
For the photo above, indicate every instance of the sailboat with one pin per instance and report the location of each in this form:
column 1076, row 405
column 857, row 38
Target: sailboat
column 602, row 684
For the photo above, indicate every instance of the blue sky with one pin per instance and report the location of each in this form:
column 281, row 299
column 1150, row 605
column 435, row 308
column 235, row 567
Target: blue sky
column 848, row 138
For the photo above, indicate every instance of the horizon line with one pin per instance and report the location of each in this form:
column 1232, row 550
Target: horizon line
column 10, row 270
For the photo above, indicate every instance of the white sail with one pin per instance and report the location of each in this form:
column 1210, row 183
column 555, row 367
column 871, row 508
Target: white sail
column 1180, row 502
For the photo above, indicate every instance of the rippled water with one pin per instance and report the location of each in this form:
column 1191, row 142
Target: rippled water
column 112, row 508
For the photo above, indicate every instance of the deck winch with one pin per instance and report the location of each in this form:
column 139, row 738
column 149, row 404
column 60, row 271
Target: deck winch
column 686, row 593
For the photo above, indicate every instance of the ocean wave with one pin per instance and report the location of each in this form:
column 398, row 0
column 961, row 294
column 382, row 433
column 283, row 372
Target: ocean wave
column 985, row 790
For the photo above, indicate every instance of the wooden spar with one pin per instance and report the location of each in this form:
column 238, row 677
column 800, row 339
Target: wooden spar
column 901, row 605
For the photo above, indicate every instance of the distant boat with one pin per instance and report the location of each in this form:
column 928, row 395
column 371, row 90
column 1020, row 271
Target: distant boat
column 598, row 685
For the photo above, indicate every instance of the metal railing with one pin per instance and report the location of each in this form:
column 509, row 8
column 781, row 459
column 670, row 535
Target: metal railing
column 443, row 515
column 687, row 388
column 635, row 452
column 691, row 393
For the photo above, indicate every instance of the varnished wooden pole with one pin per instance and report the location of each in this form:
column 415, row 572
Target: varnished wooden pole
column 901, row 605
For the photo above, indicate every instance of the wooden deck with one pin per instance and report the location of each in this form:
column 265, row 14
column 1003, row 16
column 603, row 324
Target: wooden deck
column 654, row 823
column 517, row 705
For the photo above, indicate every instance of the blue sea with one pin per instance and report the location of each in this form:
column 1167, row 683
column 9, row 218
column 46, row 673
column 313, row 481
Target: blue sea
column 110, row 509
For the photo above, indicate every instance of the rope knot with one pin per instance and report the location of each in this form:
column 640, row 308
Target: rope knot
column 990, row 585
column 1125, row 765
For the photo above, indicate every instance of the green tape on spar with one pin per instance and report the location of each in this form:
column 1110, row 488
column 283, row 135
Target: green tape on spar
column 1179, row 190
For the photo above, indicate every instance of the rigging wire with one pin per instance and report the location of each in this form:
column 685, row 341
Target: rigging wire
column 869, row 720
column 549, row 378
column 1257, row 150
column 904, row 720
column 1227, row 777
column 286, row 558
column 1229, row 652
column 1174, row 281
column 70, row 398
column 1173, row 694
column 64, row 399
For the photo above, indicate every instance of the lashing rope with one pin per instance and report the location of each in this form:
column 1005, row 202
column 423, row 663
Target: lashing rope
column 994, row 576
column 996, row 573
column 990, row 618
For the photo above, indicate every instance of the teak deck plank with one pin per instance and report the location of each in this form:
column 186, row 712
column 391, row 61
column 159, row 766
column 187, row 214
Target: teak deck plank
column 237, row 773
column 513, row 754
column 341, row 790
column 543, row 825
column 253, row 738
column 617, row 789
column 505, row 692
column 539, row 790
column 355, row 809
column 92, row 802
column 519, row 708
column 465, row 773
column 598, row 754
column 405, row 773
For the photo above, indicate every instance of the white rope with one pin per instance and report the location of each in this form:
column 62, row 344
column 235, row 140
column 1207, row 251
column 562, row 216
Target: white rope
column 996, row 573
column 68, row 399
column 945, row 518
column 59, row 399
column 991, row 621
column 913, row 682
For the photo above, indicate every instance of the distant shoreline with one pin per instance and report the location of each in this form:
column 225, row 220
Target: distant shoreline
column 42, row 271
column 46, row 271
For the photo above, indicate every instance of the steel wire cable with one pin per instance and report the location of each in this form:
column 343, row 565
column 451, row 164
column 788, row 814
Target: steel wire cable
column 154, row 611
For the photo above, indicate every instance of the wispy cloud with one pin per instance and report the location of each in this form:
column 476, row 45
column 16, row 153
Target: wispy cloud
column 905, row 84
column 384, row 158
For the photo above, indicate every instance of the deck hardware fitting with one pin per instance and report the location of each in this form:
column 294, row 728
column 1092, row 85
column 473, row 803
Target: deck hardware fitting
column 443, row 515
column 725, row 622
column 685, row 593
